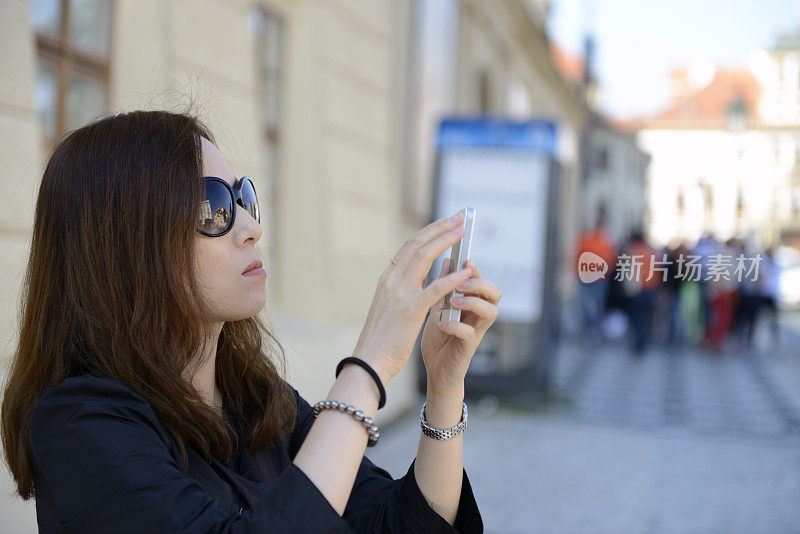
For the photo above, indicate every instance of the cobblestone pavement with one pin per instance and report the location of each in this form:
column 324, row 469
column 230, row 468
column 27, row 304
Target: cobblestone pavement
column 678, row 442
column 741, row 393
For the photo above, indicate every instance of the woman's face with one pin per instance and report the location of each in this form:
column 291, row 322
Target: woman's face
column 228, row 294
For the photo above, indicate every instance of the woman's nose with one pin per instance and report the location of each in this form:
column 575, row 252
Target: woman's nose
column 250, row 226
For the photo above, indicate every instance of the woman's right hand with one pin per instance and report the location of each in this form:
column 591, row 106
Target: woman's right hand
column 400, row 303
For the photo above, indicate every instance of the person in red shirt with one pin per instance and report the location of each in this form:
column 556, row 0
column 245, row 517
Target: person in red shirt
column 592, row 295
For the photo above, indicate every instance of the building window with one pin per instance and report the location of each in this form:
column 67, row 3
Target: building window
column 519, row 100
column 795, row 203
column 708, row 195
column 73, row 41
column 602, row 158
column 740, row 203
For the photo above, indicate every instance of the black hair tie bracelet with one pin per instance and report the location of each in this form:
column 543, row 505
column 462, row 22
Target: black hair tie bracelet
column 370, row 370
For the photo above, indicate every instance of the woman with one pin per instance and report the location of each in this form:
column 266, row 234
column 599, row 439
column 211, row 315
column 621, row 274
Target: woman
column 140, row 398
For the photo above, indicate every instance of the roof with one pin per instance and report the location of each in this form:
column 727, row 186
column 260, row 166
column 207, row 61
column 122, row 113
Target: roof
column 568, row 65
column 627, row 126
column 737, row 88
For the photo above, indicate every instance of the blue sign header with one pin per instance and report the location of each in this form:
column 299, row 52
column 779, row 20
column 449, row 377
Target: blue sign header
column 497, row 132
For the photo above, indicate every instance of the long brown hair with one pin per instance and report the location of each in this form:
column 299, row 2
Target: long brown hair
column 110, row 290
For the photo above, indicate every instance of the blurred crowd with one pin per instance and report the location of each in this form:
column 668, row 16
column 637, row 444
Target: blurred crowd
column 710, row 294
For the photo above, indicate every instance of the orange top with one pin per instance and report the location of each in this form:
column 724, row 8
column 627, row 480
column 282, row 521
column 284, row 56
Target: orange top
column 599, row 242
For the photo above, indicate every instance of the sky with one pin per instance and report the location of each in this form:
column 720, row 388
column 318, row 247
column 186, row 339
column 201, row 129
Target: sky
column 638, row 42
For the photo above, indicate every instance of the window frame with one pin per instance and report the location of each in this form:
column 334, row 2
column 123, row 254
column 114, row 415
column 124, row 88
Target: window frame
column 68, row 60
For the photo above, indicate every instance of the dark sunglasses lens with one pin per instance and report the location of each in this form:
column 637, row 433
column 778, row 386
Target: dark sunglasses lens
column 250, row 199
column 217, row 208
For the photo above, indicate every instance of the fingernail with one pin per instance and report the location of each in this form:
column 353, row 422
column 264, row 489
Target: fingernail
column 455, row 217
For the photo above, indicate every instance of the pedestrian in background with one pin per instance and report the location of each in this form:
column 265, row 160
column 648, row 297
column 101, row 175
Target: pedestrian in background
column 722, row 291
column 768, row 290
column 592, row 296
column 641, row 289
column 746, row 316
column 676, row 320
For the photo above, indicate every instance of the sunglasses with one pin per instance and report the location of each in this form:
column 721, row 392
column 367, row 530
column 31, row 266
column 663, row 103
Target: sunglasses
column 218, row 209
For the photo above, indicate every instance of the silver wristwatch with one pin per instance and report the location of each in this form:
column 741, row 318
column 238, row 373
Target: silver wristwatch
column 447, row 433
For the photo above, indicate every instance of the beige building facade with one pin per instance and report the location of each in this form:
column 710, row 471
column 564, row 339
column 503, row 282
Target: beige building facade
column 329, row 105
column 306, row 97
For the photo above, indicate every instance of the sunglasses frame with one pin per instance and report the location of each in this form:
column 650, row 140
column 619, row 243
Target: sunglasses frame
column 236, row 194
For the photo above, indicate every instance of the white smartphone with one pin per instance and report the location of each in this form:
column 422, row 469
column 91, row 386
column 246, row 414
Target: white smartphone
column 459, row 254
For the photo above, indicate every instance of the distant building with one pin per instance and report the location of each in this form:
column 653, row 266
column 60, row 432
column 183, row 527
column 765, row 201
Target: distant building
column 724, row 152
column 615, row 179
column 614, row 167
column 780, row 111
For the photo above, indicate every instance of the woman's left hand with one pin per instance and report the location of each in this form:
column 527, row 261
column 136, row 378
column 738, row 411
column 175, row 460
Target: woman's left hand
column 448, row 349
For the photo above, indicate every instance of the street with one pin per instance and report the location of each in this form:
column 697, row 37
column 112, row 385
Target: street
column 680, row 442
column 677, row 443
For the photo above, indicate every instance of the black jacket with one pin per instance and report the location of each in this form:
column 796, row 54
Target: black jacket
column 103, row 462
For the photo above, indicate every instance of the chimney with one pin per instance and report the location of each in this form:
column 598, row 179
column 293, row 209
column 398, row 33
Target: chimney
column 588, row 60
column 589, row 79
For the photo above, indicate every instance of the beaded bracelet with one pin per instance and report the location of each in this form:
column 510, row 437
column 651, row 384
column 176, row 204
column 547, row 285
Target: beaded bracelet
column 369, row 424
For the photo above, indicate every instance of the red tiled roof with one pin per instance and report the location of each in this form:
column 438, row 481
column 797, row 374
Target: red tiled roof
column 626, row 125
column 571, row 67
column 711, row 103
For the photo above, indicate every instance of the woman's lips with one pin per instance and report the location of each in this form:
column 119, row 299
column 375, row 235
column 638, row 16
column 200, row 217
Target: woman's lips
column 255, row 269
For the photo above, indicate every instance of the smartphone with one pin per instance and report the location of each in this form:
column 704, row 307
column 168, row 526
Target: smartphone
column 459, row 254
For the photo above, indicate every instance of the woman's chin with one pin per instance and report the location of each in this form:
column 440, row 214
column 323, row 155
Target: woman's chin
column 244, row 310
column 255, row 307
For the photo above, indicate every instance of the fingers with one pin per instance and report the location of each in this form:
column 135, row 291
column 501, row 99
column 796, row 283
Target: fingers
column 408, row 253
column 441, row 286
column 446, row 267
column 444, row 271
column 480, row 307
column 476, row 285
column 458, row 329
column 424, row 256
